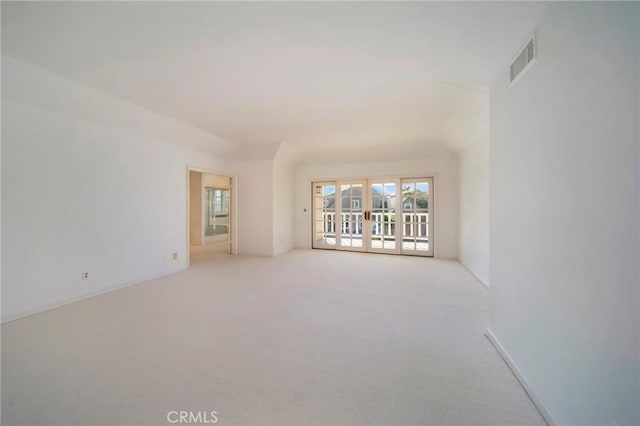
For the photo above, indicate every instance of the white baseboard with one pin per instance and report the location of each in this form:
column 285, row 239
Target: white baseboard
column 523, row 381
column 482, row 281
column 60, row 304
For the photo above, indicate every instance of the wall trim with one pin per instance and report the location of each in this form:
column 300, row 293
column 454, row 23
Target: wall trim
column 476, row 276
column 56, row 305
column 518, row 374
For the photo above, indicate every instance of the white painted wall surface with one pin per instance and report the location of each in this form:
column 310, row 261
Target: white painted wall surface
column 564, row 215
column 89, row 183
column 283, row 198
column 444, row 167
column 474, row 208
column 196, row 231
column 255, row 208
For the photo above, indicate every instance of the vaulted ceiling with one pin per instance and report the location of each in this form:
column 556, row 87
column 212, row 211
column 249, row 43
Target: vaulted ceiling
column 317, row 76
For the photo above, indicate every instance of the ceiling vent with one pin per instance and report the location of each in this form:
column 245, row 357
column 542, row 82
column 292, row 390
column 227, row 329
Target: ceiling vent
column 525, row 59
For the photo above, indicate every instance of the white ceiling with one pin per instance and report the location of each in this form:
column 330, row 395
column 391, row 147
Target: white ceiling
column 312, row 75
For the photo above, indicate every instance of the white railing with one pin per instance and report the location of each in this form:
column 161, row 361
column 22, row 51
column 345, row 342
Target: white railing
column 415, row 224
column 418, row 227
column 351, row 223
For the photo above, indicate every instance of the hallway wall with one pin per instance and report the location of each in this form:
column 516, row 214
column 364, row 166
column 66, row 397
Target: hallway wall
column 564, row 215
column 474, row 206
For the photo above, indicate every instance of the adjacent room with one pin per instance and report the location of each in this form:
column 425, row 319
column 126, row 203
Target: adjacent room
column 210, row 213
column 320, row 213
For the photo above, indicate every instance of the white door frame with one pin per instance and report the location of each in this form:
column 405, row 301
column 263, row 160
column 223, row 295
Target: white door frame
column 430, row 225
column 363, row 202
column 398, row 213
column 233, row 227
column 314, row 220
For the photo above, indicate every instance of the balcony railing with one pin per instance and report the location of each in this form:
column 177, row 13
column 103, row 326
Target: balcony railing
column 415, row 230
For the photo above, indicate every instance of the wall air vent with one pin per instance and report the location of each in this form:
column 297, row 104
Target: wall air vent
column 525, row 59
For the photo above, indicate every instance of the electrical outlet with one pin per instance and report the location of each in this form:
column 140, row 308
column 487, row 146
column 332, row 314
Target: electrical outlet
column 85, row 275
column 175, row 255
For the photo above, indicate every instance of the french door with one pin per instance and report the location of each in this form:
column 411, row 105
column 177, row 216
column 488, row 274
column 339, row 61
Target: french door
column 375, row 215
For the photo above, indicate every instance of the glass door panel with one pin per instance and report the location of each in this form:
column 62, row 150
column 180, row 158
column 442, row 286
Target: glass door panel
column 417, row 225
column 383, row 196
column 324, row 215
column 377, row 215
column 352, row 198
column 217, row 212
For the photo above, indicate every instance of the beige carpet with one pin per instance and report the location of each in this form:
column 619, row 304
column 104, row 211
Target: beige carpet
column 311, row 337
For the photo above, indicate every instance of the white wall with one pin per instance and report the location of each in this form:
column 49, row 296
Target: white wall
column 255, row 208
column 196, row 231
column 283, row 199
column 474, row 208
column 446, row 193
column 564, row 215
column 89, row 183
column 266, row 200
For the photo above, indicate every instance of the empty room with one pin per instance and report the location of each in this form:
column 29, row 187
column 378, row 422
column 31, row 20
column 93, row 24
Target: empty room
column 320, row 213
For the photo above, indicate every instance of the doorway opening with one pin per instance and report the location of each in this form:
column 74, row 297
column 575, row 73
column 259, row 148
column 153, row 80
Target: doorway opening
column 210, row 215
column 380, row 215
